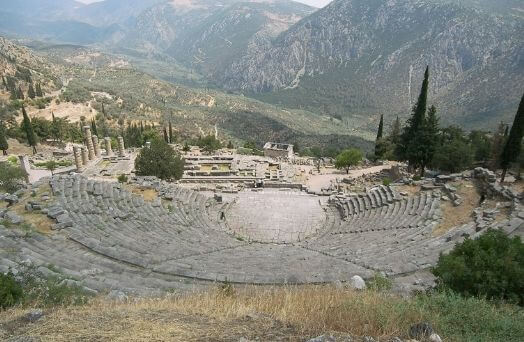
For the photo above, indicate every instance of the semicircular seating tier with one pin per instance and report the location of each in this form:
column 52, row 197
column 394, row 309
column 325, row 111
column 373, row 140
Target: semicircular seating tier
column 114, row 239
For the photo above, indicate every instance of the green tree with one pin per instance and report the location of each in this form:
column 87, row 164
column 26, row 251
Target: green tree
column 20, row 94
column 454, row 152
column 481, row 144
column 160, row 160
column 28, row 129
column 166, row 137
column 428, row 139
column 230, row 145
column 171, row 138
column 10, row 177
column 348, row 158
column 4, row 82
column 31, row 92
column 491, row 266
column 51, row 165
column 380, row 144
column 497, row 145
column 186, row 147
column 410, row 148
column 94, row 128
column 4, row 145
column 38, row 90
column 514, row 142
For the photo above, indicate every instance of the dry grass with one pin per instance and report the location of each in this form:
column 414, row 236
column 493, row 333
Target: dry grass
column 281, row 314
column 147, row 193
column 456, row 216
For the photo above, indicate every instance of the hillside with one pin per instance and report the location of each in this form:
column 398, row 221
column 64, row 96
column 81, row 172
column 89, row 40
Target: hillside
column 364, row 57
column 92, row 78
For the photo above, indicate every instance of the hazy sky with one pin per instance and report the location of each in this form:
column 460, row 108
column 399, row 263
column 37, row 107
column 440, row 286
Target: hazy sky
column 316, row 3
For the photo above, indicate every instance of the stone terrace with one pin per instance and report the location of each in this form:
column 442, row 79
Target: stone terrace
column 108, row 238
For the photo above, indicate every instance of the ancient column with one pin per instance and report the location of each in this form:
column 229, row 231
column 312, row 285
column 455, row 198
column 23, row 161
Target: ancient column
column 78, row 159
column 109, row 150
column 85, row 155
column 121, row 148
column 96, row 146
column 89, row 142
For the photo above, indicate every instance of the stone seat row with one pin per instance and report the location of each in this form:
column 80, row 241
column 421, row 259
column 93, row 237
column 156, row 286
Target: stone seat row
column 406, row 213
column 359, row 203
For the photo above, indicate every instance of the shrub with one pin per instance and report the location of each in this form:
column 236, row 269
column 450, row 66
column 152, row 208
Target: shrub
column 379, row 283
column 386, row 182
column 491, row 266
column 10, row 177
column 122, row 178
column 11, row 291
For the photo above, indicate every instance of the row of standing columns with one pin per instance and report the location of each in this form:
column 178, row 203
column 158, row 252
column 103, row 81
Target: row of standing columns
column 91, row 150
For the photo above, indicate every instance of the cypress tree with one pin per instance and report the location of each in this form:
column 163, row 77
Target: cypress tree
column 31, row 92
column 4, row 82
column 103, row 109
column 497, row 145
column 379, row 144
column 411, row 140
column 141, row 126
column 513, row 144
column 170, row 133
column 429, row 140
column 93, row 127
column 394, row 136
column 506, row 131
column 20, row 94
column 166, row 138
column 4, row 146
column 39, row 90
column 28, row 128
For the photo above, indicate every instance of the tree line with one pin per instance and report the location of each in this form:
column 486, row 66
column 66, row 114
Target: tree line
column 422, row 143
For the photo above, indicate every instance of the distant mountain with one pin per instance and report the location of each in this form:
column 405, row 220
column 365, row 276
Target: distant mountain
column 356, row 58
column 110, row 12
column 44, row 9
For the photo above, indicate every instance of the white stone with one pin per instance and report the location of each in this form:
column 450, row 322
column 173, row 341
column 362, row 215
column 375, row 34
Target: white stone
column 357, row 283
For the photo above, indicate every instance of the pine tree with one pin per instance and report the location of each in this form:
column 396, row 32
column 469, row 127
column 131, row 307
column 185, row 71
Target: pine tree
column 379, row 143
column 4, row 146
column 20, row 94
column 410, row 147
column 170, row 133
column 28, row 128
column 31, row 92
column 39, row 90
column 513, row 145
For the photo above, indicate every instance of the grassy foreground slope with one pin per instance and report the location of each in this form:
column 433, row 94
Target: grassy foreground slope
column 271, row 314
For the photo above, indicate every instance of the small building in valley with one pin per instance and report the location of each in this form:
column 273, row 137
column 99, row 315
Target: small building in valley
column 277, row 150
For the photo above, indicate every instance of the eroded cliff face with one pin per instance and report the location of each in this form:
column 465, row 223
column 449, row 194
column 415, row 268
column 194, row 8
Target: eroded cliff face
column 476, row 58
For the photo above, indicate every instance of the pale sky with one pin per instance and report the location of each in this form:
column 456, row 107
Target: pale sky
column 315, row 3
